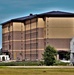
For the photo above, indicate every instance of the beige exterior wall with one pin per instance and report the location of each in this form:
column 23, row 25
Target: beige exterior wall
column 18, row 26
column 6, row 28
column 41, row 23
column 60, row 27
column 33, row 25
column 59, row 44
column 27, row 27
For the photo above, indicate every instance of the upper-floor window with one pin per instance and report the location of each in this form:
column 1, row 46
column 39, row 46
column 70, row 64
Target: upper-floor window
column 9, row 46
column 8, row 37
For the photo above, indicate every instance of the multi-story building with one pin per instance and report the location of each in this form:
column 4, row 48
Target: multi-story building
column 25, row 38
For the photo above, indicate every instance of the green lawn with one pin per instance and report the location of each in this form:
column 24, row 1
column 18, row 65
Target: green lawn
column 24, row 71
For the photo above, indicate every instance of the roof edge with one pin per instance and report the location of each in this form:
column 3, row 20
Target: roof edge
column 47, row 14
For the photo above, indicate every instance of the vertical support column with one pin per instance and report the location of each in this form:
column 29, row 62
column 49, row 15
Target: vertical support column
column 21, row 54
column 57, row 57
column 47, row 33
column 44, row 32
column 25, row 40
column 36, row 39
column 30, row 40
column 12, row 44
column 9, row 36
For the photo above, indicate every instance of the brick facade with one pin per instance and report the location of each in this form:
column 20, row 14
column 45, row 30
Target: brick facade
column 26, row 39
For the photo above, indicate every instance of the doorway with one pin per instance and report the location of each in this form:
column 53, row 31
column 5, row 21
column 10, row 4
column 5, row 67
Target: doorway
column 3, row 58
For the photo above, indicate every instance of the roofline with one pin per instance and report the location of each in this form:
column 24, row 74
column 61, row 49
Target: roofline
column 5, row 22
column 15, row 20
column 39, row 16
column 48, row 14
column 55, row 15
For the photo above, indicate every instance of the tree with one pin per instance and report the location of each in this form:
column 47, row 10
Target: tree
column 49, row 55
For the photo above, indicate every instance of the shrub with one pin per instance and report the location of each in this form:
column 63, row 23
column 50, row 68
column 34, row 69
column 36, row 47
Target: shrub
column 19, row 63
column 49, row 55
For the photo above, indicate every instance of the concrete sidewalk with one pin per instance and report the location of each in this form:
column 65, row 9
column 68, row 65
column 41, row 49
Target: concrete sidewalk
column 41, row 66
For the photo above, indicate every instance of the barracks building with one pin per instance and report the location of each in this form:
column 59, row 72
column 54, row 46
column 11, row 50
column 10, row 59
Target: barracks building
column 26, row 38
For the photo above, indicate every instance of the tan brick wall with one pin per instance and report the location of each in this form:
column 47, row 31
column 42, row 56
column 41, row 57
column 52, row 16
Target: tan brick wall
column 59, row 44
column 33, row 25
column 60, row 27
column 40, row 23
column 6, row 28
column 18, row 26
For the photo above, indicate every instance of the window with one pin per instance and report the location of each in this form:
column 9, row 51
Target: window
column 37, row 56
column 8, row 37
column 5, row 46
column 37, row 33
column 9, row 46
column 36, row 44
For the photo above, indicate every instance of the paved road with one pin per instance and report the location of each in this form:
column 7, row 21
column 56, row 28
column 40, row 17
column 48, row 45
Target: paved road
column 41, row 66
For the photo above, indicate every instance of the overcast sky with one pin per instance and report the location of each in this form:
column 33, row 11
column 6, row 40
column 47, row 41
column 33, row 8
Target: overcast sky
column 10, row 9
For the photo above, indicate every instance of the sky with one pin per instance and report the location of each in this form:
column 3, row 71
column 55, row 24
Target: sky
column 10, row 9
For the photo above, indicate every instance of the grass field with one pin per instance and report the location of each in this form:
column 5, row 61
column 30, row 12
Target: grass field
column 33, row 71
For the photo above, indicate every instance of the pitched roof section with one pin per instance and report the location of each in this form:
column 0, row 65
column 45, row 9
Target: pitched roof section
column 21, row 19
column 57, row 14
column 47, row 14
column 24, row 18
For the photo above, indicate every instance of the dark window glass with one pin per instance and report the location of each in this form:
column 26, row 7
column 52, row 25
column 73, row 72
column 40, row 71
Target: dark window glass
column 9, row 46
